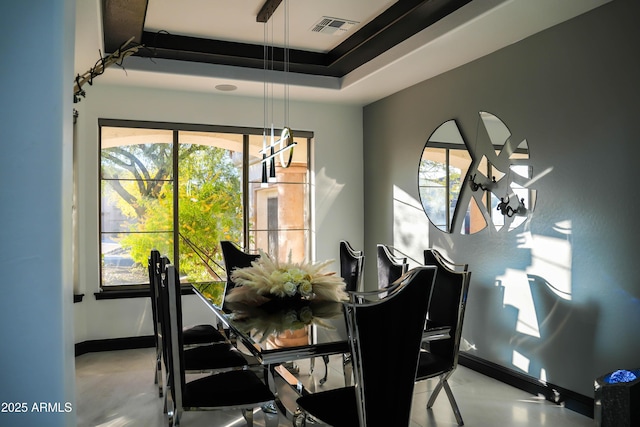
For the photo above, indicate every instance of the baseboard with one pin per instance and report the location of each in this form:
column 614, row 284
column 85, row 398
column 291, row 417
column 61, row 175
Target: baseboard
column 571, row 400
column 114, row 344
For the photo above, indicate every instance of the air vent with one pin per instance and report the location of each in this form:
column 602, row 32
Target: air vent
column 335, row 26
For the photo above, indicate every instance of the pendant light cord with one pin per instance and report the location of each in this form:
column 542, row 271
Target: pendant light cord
column 286, row 63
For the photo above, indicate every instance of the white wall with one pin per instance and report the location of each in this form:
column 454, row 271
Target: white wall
column 36, row 325
column 338, row 190
column 572, row 92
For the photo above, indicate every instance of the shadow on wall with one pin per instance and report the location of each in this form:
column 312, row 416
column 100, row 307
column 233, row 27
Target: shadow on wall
column 566, row 329
column 522, row 311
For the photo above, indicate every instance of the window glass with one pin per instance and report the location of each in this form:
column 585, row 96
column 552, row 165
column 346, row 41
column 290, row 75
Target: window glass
column 279, row 209
column 136, row 201
column 209, row 201
column 183, row 191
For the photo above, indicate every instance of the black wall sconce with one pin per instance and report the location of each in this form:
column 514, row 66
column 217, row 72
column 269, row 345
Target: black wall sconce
column 485, row 187
column 507, row 210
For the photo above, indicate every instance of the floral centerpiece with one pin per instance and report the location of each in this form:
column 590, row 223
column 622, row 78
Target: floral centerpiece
column 267, row 279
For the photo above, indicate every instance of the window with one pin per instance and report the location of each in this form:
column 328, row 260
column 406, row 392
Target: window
column 181, row 189
column 272, row 224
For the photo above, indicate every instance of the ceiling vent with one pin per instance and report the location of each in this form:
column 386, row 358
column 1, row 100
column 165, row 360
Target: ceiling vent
column 335, row 26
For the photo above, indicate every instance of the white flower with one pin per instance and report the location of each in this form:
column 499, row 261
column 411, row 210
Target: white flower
column 297, row 275
column 286, row 276
column 290, row 288
column 306, row 288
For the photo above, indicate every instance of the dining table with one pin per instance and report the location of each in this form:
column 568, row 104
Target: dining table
column 287, row 330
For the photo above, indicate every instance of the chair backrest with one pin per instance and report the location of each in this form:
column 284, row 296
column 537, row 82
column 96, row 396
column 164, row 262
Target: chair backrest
column 171, row 303
column 448, row 304
column 351, row 266
column 154, row 282
column 161, row 298
column 433, row 257
column 390, row 267
column 385, row 353
column 234, row 258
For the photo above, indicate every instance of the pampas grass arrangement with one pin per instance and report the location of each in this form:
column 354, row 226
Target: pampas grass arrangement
column 267, row 279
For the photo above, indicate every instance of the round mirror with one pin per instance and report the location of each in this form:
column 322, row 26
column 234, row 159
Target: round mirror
column 465, row 186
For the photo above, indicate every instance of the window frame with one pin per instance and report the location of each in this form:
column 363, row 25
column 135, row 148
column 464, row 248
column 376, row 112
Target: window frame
column 142, row 290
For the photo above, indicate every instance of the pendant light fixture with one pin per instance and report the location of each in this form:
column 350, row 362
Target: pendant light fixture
column 284, row 145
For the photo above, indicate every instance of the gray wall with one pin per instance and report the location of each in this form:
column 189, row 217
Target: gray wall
column 572, row 92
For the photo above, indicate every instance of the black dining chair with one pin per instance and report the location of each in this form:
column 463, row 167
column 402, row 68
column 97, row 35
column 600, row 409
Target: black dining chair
column 448, row 304
column 192, row 336
column 200, row 358
column 351, row 266
column 234, row 257
column 351, row 269
column 383, row 392
column 239, row 389
column 434, row 257
column 390, row 267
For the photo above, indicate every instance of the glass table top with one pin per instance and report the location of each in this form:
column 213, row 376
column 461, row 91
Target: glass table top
column 284, row 330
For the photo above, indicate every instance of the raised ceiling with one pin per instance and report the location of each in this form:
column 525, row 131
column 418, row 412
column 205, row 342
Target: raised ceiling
column 234, row 36
column 354, row 51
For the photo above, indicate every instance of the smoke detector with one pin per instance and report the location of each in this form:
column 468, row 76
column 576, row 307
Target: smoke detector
column 334, row 26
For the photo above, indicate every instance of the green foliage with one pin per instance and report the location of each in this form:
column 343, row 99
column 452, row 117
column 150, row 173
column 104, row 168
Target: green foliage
column 210, row 210
column 209, row 202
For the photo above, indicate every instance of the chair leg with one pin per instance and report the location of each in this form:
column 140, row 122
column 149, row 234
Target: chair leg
column 271, row 417
column 444, row 383
column 159, row 375
column 299, row 418
column 454, row 405
column 248, row 416
column 347, row 369
column 325, row 359
column 167, row 396
column 172, row 413
column 312, row 365
column 434, row 393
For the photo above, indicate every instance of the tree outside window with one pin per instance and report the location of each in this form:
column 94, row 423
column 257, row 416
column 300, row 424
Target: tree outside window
column 182, row 192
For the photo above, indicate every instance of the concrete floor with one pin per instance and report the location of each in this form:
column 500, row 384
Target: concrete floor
column 115, row 389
